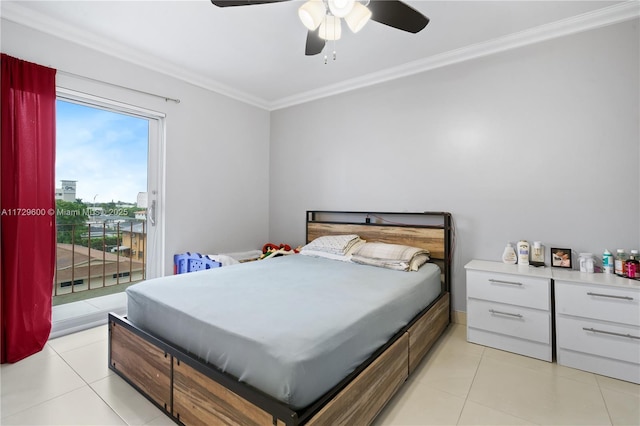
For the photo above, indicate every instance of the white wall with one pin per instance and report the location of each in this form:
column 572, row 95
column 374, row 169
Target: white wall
column 538, row 143
column 217, row 149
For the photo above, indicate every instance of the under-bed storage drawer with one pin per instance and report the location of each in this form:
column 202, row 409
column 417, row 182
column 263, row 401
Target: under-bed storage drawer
column 144, row 366
column 424, row 333
column 374, row 386
column 198, row 400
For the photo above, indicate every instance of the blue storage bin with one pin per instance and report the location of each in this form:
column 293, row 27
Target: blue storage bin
column 191, row 262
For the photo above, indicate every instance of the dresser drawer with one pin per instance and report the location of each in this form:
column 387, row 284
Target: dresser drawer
column 513, row 289
column 510, row 320
column 613, row 304
column 615, row 341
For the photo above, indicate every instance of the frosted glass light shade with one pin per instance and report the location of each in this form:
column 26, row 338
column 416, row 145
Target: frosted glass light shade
column 340, row 8
column 358, row 17
column 330, row 28
column 312, row 14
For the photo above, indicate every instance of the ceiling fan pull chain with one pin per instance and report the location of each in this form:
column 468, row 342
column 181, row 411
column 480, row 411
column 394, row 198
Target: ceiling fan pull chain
column 334, row 50
column 334, row 41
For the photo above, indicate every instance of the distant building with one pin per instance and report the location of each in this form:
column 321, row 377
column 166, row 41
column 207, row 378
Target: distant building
column 134, row 240
column 141, row 215
column 67, row 192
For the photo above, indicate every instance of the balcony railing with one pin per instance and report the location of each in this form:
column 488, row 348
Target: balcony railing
column 97, row 255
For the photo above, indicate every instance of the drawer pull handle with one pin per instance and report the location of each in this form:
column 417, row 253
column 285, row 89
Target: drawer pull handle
column 504, row 282
column 610, row 295
column 630, row 336
column 505, row 313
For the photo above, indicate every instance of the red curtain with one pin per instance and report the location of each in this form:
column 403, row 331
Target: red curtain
column 27, row 203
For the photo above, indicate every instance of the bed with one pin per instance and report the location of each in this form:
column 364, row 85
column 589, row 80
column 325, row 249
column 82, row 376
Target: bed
column 224, row 347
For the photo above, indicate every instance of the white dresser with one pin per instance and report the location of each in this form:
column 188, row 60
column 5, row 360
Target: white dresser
column 509, row 308
column 598, row 323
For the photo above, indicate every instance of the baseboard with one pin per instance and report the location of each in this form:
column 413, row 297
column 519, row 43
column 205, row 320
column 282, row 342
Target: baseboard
column 459, row 317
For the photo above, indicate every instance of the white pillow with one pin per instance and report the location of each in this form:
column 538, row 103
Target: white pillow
column 341, row 257
column 392, row 256
column 335, row 244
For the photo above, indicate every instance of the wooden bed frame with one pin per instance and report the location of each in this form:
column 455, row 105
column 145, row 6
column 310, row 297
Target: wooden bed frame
column 193, row 392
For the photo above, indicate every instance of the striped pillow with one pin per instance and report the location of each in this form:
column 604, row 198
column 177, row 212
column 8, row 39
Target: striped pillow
column 391, row 256
column 334, row 244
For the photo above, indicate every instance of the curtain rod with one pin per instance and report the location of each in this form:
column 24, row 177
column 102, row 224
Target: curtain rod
column 119, row 86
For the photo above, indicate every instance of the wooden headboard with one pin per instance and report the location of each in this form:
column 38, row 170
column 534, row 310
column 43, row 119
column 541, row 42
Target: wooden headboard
column 429, row 230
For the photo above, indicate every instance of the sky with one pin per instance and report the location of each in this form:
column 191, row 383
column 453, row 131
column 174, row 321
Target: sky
column 105, row 152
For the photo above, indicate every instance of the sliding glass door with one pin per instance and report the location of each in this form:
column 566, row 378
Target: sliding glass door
column 109, row 175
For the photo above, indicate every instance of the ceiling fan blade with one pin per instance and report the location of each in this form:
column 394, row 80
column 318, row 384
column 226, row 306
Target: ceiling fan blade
column 314, row 43
column 227, row 3
column 397, row 14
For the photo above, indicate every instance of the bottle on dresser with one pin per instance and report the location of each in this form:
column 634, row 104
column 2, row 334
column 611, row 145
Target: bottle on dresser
column 607, row 262
column 523, row 252
column 620, row 263
column 509, row 255
column 633, row 265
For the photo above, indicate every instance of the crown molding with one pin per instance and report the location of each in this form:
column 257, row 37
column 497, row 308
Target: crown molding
column 12, row 11
column 617, row 13
column 602, row 17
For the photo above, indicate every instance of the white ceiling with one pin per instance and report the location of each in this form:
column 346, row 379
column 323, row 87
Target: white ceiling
column 256, row 53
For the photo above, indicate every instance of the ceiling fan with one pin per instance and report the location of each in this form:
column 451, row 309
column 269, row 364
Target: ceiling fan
column 323, row 17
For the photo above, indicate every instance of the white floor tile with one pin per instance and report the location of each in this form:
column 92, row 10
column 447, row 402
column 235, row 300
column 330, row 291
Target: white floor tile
column 34, row 380
column 476, row 414
column 90, row 361
column 618, row 385
column 79, row 407
column 130, row 405
column 161, row 421
column 623, row 407
column 79, row 339
column 418, row 404
column 539, row 398
column 449, row 372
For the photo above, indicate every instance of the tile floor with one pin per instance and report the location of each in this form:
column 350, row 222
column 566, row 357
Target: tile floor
column 68, row 383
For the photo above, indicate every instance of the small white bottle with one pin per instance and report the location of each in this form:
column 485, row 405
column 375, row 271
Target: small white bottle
column 607, row 262
column 586, row 262
column 509, row 255
column 523, row 252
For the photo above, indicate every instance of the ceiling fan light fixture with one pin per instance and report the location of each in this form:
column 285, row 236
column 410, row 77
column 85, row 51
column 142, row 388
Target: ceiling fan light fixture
column 330, row 28
column 340, row 8
column 312, row 14
column 358, row 17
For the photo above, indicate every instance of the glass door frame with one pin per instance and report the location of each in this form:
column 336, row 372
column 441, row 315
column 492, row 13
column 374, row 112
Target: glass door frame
column 154, row 250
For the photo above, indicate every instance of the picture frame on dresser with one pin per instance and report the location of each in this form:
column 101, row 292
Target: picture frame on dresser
column 561, row 258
